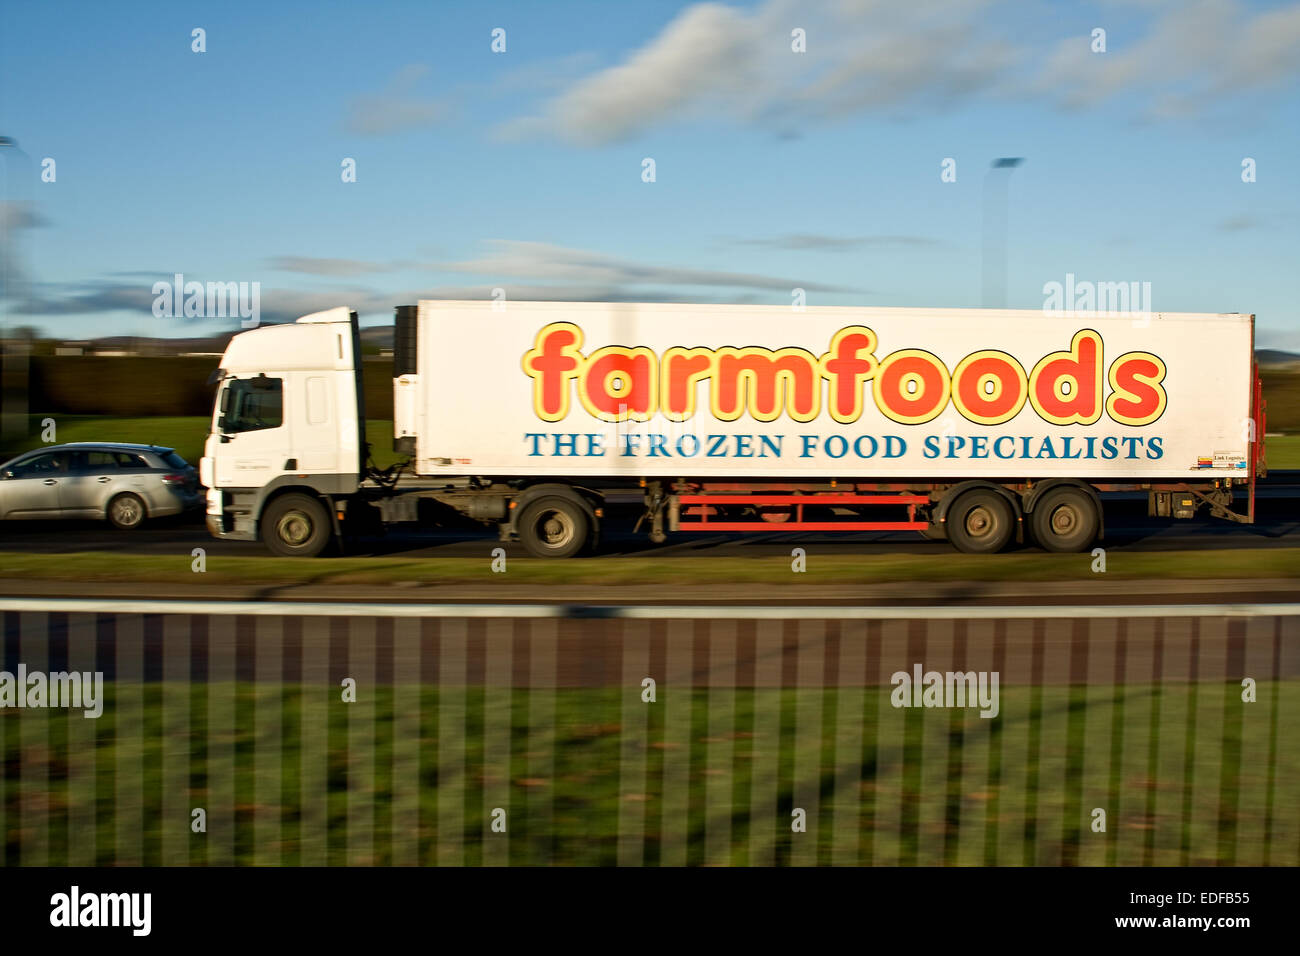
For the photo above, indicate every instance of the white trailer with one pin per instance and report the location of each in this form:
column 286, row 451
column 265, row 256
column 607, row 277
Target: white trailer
column 969, row 424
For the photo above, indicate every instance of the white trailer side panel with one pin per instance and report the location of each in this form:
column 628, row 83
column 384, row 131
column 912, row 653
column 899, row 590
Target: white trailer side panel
column 770, row 393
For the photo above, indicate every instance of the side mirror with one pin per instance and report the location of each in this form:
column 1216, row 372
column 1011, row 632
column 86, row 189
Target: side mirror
column 8, row 473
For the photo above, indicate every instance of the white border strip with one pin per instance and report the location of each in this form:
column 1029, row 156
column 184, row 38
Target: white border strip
column 644, row 611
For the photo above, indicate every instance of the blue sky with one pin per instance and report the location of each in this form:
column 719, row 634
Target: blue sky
column 523, row 170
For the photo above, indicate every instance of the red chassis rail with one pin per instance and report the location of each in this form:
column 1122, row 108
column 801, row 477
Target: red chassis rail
column 797, row 503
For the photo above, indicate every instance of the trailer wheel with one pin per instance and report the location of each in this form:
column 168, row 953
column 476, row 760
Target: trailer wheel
column 980, row 522
column 1064, row 519
column 553, row 527
column 296, row 526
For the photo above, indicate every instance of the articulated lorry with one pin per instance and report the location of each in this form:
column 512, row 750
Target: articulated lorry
column 979, row 426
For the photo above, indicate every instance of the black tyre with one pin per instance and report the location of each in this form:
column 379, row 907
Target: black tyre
column 126, row 512
column 1065, row 519
column 553, row 527
column 936, row 532
column 980, row 522
column 296, row 526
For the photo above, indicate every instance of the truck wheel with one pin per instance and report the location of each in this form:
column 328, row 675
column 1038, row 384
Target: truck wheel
column 296, row 526
column 980, row 522
column 1064, row 519
column 553, row 527
column 126, row 512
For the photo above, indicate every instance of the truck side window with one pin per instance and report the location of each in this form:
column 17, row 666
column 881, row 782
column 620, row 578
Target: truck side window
column 253, row 404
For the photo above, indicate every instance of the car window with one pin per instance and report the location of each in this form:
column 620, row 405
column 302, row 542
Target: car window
column 174, row 460
column 51, row 463
column 128, row 461
column 100, row 460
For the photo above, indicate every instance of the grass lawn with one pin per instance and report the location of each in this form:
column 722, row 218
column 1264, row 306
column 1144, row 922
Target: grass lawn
column 288, row 774
column 1283, row 452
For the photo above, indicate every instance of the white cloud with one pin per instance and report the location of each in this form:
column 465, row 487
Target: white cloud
column 715, row 60
column 715, row 63
column 396, row 108
column 1194, row 54
column 326, row 267
column 511, row 259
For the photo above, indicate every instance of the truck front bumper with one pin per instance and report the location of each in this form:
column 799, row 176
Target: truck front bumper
column 224, row 525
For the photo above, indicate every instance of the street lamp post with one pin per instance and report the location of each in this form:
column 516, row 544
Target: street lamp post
column 994, row 295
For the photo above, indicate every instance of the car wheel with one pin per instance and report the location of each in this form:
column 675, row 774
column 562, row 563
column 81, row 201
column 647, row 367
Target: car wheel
column 980, row 522
column 296, row 526
column 1065, row 520
column 126, row 512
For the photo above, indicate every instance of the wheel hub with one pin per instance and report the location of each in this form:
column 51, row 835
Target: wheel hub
column 556, row 528
column 1064, row 520
column 979, row 523
column 294, row 528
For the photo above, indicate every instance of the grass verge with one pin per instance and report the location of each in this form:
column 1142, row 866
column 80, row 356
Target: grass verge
column 288, row 775
column 631, row 570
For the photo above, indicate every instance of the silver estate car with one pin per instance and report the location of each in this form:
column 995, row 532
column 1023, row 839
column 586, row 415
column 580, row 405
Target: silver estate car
column 122, row 483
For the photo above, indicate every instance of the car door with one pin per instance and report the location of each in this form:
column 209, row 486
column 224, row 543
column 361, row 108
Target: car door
column 31, row 488
column 90, row 484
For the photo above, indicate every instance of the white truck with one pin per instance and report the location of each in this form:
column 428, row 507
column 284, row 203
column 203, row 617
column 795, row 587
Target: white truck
column 978, row 426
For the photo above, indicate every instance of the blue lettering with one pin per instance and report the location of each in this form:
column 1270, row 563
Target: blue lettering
column 857, row 450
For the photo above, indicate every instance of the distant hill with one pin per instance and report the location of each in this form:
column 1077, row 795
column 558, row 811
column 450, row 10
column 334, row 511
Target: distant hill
column 1276, row 358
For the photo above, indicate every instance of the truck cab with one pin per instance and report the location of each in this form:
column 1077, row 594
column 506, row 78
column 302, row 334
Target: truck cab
column 288, row 432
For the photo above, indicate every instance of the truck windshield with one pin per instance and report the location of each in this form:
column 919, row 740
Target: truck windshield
column 252, row 404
